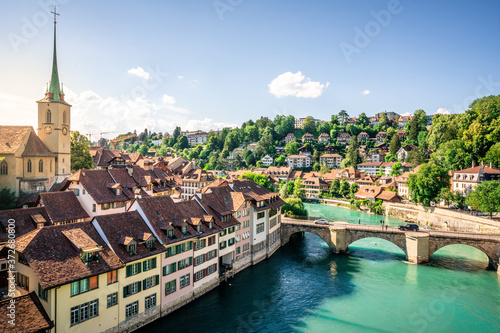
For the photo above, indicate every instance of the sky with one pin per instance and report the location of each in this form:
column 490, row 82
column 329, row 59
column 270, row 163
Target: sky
column 208, row 64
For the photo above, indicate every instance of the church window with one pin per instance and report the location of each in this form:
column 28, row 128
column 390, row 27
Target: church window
column 64, row 117
column 29, row 166
column 49, row 116
column 4, row 168
column 40, row 166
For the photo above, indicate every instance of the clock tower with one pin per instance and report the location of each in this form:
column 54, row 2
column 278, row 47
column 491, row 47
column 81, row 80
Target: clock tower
column 54, row 120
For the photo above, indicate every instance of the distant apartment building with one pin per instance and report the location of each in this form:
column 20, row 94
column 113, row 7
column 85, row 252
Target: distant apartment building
column 313, row 186
column 403, row 120
column 331, row 160
column 466, row 181
column 374, row 121
column 363, row 136
column 343, row 138
column 381, row 136
column 324, row 138
column 290, row 137
column 196, row 137
column 308, row 138
column 267, row 160
column 299, row 122
column 298, row 161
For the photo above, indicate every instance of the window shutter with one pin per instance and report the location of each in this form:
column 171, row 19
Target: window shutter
column 154, row 263
column 144, row 284
column 216, row 267
column 204, row 242
column 144, row 265
column 125, row 292
column 157, row 280
column 129, row 271
column 138, row 268
column 206, row 256
column 190, row 260
column 139, row 285
column 164, row 270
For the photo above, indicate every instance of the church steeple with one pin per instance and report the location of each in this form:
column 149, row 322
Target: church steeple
column 54, row 93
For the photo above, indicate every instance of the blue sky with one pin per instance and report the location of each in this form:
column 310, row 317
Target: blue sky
column 205, row 64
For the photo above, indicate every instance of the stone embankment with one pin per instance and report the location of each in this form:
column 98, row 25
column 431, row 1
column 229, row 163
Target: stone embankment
column 442, row 219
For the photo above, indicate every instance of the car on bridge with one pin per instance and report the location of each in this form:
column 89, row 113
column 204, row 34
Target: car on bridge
column 409, row 227
column 322, row 221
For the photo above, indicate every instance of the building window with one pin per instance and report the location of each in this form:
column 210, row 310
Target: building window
column 150, row 301
column 40, row 166
column 84, row 312
column 133, row 269
column 84, row 285
column 29, row 166
column 49, row 116
column 170, row 287
column 260, row 228
column 93, row 208
column 42, row 293
column 169, row 269
column 185, row 281
column 261, row 215
column 112, row 276
column 4, row 168
column 150, row 282
column 132, row 289
column 246, row 247
column 132, row 309
column 112, row 299
column 184, row 263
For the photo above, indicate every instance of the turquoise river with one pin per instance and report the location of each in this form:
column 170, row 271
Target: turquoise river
column 304, row 288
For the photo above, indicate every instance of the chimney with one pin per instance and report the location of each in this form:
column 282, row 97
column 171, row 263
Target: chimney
column 491, row 164
column 130, row 171
column 83, row 172
column 473, row 164
column 482, row 163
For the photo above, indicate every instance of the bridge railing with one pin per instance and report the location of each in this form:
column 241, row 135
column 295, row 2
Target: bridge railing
column 300, row 217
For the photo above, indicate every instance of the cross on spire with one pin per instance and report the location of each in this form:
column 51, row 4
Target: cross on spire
column 55, row 14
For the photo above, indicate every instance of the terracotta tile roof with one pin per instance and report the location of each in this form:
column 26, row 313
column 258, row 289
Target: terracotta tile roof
column 55, row 261
column 30, row 316
column 25, row 220
column 62, row 206
column 388, row 196
column 486, row 169
column 122, row 177
column 368, row 191
column 96, row 183
column 255, row 192
column 330, row 155
column 121, row 228
column 35, row 147
column 11, row 138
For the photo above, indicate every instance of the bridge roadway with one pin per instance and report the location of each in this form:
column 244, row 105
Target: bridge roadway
column 418, row 246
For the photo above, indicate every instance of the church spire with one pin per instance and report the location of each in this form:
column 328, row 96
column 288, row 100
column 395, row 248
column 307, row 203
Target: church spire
column 54, row 92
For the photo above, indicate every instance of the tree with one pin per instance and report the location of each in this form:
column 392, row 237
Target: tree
column 425, row 185
column 363, row 120
column 283, row 190
column 353, row 190
column 316, row 166
column 446, row 195
column 309, row 125
column 325, row 127
column 418, row 155
column 294, row 206
column 390, row 158
column 353, row 158
column 493, row 155
column 486, row 197
column 335, row 120
column 343, row 116
column 290, row 186
column 175, row 135
column 292, row 148
column 280, row 160
column 298, row 190
column 335, row 188
column 259, row 179
column 250, row 158
column 453, row 155
column 181, row 143
column 395, row 144
column 444, row 128
column 396, row 170
column 344, row 188
column 251, row 133
column 7, row 198
column 383, row 120
column 80, row 152
column 414, row 128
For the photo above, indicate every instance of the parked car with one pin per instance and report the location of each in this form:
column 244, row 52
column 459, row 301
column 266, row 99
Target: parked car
column 409, row 227
column 453, row 207
column 322, row 221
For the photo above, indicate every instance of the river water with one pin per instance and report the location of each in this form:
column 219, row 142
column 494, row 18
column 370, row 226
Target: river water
column 304, row 288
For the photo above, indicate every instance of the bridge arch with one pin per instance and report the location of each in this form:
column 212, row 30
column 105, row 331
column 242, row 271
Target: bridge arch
column 491, row 254
column 323, row 233
column 382, row 239
column 397, row 239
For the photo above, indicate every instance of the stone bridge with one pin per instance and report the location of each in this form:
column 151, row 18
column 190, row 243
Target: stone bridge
column 418, row 246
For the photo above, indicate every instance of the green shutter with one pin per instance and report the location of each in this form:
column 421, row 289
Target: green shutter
column 144, row 284
column 190, row 260
column 157, row 278
column 174, row 267
column 164, row 270
column 139, row 268
column 154, row 262
column 144, row 265
column 125, row 292
column 129, row 270
column 139, row 285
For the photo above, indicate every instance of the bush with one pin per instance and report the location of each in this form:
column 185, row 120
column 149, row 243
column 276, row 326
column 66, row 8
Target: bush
column 294, row 206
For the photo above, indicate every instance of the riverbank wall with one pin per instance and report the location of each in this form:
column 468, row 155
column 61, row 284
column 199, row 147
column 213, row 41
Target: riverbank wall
column 441, row 219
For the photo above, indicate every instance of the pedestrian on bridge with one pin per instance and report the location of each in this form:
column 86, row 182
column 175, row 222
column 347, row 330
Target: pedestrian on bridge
column 359, row 221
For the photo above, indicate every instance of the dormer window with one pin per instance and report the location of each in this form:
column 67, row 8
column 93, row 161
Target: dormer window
column 150, row 244
column 211, row 225
column 131, row 248
column 90, row 257
column 170, row 233
column 184, row 229
column 198, row 228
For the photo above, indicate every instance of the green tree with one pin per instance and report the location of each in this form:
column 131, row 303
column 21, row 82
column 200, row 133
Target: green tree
column 425, row 185
column 383, row 120
column 280, row 160
column 250, row 158
column 343, row 116
column 292, row 148
column 395, row 144
column 298, row 189
column 390, row 158
column 283, row 190
column 309, row 125
column 353, row 158
column 335, row 120
column 294, row 206
column 344, row 188
column 251, row 133
column 444, row 128
column 353, row 190
column 316, row 166
column 363, row 120
column 181, row 144
column 259, row 179
column 290, row 186
column 493, row 155
column 7, row 198
column 335, row 188
column 418, row 155
column 80, row 152
column 453, row 155
column 486, row 197
column 396, row 170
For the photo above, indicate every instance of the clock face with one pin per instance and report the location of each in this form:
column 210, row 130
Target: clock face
column 65, row 130
column 47, row 129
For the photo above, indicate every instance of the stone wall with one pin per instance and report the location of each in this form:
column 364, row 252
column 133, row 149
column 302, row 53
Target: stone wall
column 442, row 219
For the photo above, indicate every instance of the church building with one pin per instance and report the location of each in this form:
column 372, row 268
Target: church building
column 32, row 162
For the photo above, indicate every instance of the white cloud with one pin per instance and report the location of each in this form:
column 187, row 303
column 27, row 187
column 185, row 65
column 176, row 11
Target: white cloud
column 168, row 99
column 296, row 84
column 406, row 114
column 366, row 92
column 140, row 72
column 442, row 111
column 180, row 77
